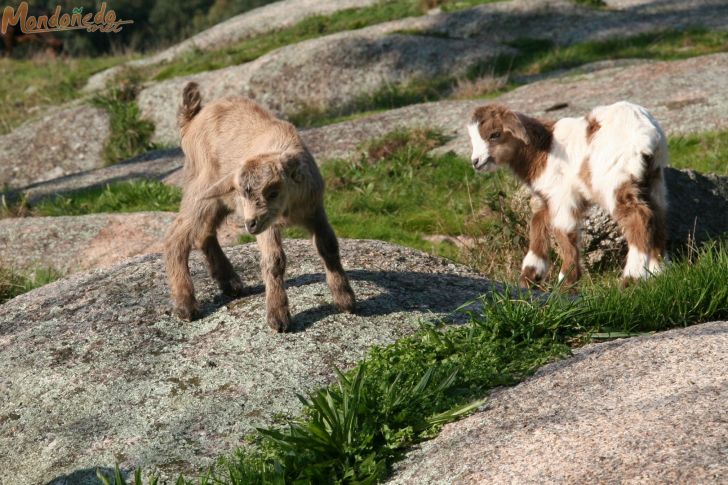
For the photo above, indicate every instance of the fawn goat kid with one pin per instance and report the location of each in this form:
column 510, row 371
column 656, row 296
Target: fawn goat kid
column 613, row 157
column 240, row 157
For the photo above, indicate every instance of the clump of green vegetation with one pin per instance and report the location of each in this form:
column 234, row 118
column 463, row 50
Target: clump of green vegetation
column 308, row 28
column 353, row 430
column 130, row 135
column 14, row 283
column 388, row 97
column 144, row 195
column 41, row 82
column 706, row 152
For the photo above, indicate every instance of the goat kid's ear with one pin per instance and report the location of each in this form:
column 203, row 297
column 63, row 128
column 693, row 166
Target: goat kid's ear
column 512, row 124
column 222, row 187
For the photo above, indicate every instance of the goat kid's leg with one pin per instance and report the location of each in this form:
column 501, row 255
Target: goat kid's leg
column 658, row 204
column 327, row 246
column 568, row 244
column 659, row 240
column 637, row 221
column 565, row 222
column 177, row 246
column 273, row 268
column 536, row 264
column 218, row 264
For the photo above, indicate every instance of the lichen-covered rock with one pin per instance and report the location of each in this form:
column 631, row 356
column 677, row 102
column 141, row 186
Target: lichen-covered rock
column 66, row 140
column 645, row 410
column 96, row 371
column 70, row 244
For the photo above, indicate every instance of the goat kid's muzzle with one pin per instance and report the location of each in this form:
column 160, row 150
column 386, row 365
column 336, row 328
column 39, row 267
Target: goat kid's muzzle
column 484, row 165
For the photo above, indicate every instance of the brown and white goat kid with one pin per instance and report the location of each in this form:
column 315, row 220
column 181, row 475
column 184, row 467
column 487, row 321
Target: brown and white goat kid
column 613, row 157
column 240, row 157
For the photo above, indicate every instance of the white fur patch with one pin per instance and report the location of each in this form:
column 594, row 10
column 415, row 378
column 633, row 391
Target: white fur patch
column 561, row 276
column 480, row 147
column 638, row 264
column 533, row 260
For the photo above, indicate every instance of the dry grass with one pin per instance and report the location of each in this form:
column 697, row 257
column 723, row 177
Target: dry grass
column 475, row 88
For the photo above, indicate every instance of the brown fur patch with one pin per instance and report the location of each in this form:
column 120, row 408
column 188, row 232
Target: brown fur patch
column 591, row 128
column 538, row 232
column 585, row 173
column 634, row 215
column 540, row 134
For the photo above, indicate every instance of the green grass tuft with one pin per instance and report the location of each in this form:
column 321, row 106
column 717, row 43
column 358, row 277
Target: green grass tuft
column 539, row 56
column 705, row 152
column 402, row 193
column 591, row 3
column 29, row 85
column 14, row 283
column 146, row 195
column 129, row 134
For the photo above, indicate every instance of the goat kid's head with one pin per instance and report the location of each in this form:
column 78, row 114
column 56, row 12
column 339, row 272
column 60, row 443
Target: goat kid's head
column 497, row 135
column 263, row 185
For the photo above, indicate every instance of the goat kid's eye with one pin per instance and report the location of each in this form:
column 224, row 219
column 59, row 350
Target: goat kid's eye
column 272, row 194
column 495, row 135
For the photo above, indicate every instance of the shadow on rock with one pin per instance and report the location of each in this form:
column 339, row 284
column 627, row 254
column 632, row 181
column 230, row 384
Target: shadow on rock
column 405, row 291
column 87, row 476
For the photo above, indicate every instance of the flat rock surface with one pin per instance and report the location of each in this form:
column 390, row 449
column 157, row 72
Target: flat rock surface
column 96, row 371
column 66, row 140
column 70, row 244
column 650, row 409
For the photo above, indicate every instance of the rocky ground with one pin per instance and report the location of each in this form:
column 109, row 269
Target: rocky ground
column 96, row 371
column 644, row 410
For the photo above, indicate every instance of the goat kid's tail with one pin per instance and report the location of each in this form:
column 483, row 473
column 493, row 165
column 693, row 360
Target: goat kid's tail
column 191, row 104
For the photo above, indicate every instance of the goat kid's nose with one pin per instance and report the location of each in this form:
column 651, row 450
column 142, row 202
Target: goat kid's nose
column 475, row 161
column 251, row 225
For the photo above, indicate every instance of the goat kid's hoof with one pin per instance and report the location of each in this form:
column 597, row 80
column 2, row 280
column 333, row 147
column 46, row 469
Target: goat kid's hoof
column 529, row 279
column 187, row 312
column 233, row 287
column 279, row 320
column 346, row 302
column 627, row 281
